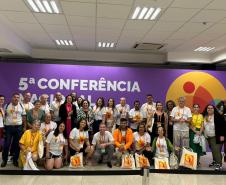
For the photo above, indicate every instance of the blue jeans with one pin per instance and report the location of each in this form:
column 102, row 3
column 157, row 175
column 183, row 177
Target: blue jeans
column 12, row 132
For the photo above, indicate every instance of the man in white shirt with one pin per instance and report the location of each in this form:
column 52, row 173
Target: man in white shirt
column 149, row 105
column 123, row 110
column 44, row 103
column 181, row 118
column 14, row 113
column 27, row 101
column 136, row 116
column 55, row 106
column 103, row 144
column 149, row 109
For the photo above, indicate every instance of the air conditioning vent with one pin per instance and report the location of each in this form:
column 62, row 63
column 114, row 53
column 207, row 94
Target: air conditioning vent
column 148, row 46
column 4, row 50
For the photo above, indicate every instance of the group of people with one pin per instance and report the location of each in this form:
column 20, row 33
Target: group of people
column 106, row 131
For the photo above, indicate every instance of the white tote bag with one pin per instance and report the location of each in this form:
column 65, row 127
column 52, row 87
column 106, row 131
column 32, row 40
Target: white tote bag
column 29, row 165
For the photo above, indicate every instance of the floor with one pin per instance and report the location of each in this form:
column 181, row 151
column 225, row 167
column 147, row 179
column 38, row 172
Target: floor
column 205, row 160
column 154, row 179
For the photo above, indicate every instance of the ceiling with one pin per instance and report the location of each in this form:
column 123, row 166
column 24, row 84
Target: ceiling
column 182, row 26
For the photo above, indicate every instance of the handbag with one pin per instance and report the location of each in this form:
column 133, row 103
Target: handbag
column 188, row 159
column 162, row 163
column 128, row 161
column 29, row 164
column 76, row 161
column 141, row 161
column 173, row 161
column 40, row 149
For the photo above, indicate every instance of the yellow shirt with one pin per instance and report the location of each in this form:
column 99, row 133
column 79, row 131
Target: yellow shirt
column 31, row 140
column 197, row 120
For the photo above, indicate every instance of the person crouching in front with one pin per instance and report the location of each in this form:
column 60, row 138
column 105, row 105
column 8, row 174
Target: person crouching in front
column 29, row 142
column 103, row 144
column 123, row 137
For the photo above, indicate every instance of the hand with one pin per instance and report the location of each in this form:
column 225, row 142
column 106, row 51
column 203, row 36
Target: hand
column 77, row 149
column 182, row 120
column 177, row 148
column 102, row 145
column 148, row 148
column 198, row 133
column 27, row 150
column 121, row 148
column 221, row 138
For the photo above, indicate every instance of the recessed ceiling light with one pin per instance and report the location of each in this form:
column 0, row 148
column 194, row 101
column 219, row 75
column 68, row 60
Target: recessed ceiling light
column 204, row 49
column 146, row 13
column 44, row 6
column 106, row 44
column 64, row 42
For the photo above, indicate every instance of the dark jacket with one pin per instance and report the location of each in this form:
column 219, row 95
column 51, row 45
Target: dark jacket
column 63, row 115
column 220, row 128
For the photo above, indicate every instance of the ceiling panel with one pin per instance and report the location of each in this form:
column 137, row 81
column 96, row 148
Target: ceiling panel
column 190, row 3
column 108, row 35
column 125, row 45
column 113, row 11
column 51, row 19
column 167, row 26
column 207, row 37
column 183, row 35
column 217, row 28
column 139, row 25
column 153, row 3
column 83, row 1
column 26, row 28
column 85, row 45
column 56, row 28
column 119, row 2
column 132, row 35
column 41, row 42
column 15, row 5
column 172, row 44
column 194, row 27
column 19, row 17
column 83, row 33
column 79, row 9
column 80, row 21
column 57, row 36
column 156, row 37
column 217, row 5
column 209, row 16
column 178, row 14
column 110, row 23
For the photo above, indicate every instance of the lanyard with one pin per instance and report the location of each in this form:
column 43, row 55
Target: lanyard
column 102, row 138
column 81, row 137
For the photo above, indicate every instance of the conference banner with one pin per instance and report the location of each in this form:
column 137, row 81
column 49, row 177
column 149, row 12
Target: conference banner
column 91, row 82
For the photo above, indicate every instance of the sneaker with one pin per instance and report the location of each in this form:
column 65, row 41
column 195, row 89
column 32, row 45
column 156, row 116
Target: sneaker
column 212, row 164
column 3, row 164
column 109, row 164
column 218, row 167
